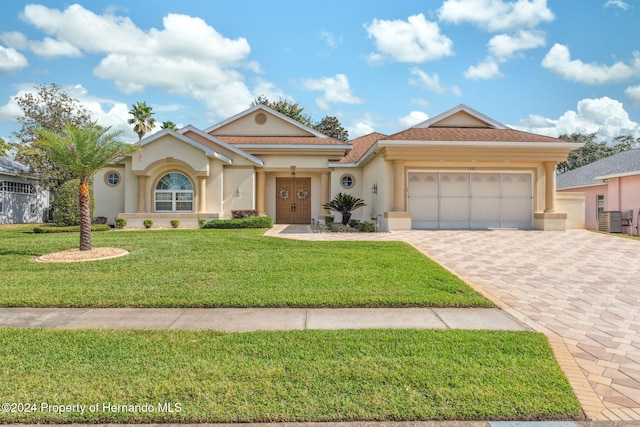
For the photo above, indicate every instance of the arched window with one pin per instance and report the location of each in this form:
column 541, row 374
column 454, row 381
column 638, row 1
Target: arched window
column 174, row 193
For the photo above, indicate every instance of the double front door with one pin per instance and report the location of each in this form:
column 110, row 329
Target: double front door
column 293, row 200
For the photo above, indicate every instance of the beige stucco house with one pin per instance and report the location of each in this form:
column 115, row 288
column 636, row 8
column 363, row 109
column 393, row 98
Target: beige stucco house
column 459, row 169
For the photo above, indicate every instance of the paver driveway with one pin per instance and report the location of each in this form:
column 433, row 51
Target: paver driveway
column 582, row 289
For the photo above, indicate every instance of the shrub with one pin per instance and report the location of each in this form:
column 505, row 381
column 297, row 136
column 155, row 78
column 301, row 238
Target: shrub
column 353, row 223
column 100, row 220
column 175, row 223
column 147, row 223
column 66, row 207
column 121, row 223
column 255, row 222
column 245, row 213
column 367, row 226
column 69, row 229
column 201, row 222
column 328, row 220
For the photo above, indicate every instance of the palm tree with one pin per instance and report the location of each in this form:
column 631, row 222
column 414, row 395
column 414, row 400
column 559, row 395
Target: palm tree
column 344, row 203
column 142, row 120
column 83, row 151
column 168, row 124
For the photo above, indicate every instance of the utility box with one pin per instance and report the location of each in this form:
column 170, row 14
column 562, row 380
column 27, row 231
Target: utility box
column 610, row 222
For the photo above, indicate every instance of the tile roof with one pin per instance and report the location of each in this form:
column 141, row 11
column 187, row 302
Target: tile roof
column 279, row 140
column 360, row 146
column 9, row 166
column 469, row 134
column 618, row 164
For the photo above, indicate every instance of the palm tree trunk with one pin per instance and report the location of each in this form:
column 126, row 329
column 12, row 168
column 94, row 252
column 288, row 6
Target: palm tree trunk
column 85, row 215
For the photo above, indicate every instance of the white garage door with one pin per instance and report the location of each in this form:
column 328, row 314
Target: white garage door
column 470, row 199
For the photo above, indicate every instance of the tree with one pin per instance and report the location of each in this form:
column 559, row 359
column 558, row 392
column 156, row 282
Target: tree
column 288, row 108
column 168, row 124
column 66, row 207
column 330, row 126
column 593, row 150
column 4, row 148
column 82, row 151
column 142, row 119
column 51, row 109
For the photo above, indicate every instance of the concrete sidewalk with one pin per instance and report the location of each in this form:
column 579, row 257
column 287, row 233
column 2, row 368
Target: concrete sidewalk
column 252, row 319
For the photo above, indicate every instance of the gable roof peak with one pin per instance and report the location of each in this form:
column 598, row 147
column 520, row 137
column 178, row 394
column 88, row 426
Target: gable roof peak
column 268, row 110
column 477, row 119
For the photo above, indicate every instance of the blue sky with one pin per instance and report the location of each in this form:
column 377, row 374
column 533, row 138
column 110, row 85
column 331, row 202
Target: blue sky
column 544, row 66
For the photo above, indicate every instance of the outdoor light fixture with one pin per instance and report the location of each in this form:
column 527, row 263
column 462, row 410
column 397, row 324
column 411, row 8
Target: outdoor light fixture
column 238, row 192
column 374, row 189
column 293, row 172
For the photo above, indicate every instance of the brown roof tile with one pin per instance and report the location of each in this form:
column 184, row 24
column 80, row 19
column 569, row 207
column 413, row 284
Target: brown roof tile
column 360, row 146
column 279, row 140
column 469, row 134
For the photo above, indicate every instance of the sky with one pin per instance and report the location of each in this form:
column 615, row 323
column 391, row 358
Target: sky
column 543, row 66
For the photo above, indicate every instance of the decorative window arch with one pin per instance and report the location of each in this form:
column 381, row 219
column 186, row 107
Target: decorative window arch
column 174, row 193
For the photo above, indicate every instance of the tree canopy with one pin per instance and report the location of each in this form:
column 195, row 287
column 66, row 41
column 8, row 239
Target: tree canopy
column 51, row 109
column 329, row 125
column 142, row 119
column 4, row 148
column 594, row 150
column 168, row 124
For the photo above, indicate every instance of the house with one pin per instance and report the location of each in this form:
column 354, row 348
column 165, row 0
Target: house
column 22, row 199
column 459, row 169
column 609, row 184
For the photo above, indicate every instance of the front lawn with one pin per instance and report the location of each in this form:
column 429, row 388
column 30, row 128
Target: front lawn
column 224, row 268
column 279, row 376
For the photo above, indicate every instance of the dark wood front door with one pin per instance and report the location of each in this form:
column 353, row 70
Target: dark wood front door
column 293, row 200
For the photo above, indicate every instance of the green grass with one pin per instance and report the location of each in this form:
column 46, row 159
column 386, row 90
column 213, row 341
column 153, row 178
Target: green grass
column 224, row 268
column 284, row 376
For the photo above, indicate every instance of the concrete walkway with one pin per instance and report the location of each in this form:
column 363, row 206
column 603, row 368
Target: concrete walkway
column 580, row 288
column 252, row 319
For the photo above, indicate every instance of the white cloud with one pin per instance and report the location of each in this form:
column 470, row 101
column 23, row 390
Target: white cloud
column 50, row 48
column 496, row 15
column 487, row 69
column 14, row 39
column 617, row 3
column 360, row 127
column 504, row 46
column 604, row 115
column 414, row 40
column 412, row 119
column 633, row 95
column 186, row 57
column 11, row 60
column 558, row 60
column 331, row 39
column 336, row 90
column 431, row 82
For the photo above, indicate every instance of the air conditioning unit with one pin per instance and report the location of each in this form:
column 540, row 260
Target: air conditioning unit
column 610, row 222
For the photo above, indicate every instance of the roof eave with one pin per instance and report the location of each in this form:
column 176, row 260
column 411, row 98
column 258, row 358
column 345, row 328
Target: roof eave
column 619, row 175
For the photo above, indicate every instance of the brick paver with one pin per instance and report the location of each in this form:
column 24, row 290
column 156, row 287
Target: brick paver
column 582, row 289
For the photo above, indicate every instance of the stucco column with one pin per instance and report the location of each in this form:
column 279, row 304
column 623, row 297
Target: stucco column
column 142, row 193
column 261, row 191
column 398, row 186
column 202, row 199
column 550, row 186
column 325, row 191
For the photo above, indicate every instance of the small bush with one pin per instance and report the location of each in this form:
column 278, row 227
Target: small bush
column 147, row 223
column 121, row 223
column 246, row 213
column 69, row 229
column 328, row 220
column 255, row 222
column 175, row 223
column 367, row 226
column 100, row 220
column 353, row 223
column 65, row 205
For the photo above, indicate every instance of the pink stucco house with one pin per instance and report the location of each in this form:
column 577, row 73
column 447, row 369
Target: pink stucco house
column 610, row 184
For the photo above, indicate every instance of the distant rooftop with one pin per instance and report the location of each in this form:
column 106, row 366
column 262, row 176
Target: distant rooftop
column 11, row 167
column 618, row 164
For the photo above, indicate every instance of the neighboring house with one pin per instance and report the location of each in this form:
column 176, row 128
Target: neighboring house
column 22, row 199
column 610, row 184
column 459, row 169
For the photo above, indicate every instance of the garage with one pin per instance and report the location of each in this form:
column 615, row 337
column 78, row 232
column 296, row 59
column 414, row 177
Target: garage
column 470, row 200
